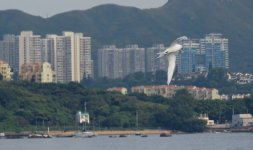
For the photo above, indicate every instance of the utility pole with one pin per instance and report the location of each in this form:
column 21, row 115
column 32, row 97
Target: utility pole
column 137, row 120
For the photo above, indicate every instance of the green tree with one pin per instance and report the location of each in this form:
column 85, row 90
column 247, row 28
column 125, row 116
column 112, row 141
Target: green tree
column 180, row 115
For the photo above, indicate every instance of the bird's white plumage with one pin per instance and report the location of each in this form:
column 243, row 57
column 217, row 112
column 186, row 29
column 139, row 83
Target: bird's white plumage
column 171, row 56
column 171, row 67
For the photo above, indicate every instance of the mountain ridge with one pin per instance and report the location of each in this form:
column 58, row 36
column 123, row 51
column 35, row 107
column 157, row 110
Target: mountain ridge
column 121, row 25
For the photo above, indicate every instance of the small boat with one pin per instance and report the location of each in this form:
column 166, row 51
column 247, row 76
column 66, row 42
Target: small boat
column 144, row 135
column 83, row 119
column 85, row 134
column 138, row 134
column 165, row 134
column 112, row 136
column 2, row 135
column 122, row 135
column 39, row 136
column 65, row 136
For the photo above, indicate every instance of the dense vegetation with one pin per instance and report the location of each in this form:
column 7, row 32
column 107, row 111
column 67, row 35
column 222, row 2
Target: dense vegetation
column 29, row 106
column 112, row 24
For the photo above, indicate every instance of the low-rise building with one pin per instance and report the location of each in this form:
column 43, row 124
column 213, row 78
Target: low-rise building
column 242, row 120
column 203, row 93
column 206, row 118
column 37, row 73
column 47, row 75
column 5, row 71
column 234, row 96
column 240, row 78
column 169, row 91
column 240, row 96
column 122, row 90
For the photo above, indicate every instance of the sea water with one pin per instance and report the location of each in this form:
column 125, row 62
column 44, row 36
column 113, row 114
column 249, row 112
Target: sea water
column 203, row 141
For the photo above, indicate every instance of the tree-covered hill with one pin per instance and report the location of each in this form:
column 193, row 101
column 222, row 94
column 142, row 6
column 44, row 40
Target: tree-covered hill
column 30, row 106
column 23, row 105
column 113, row 24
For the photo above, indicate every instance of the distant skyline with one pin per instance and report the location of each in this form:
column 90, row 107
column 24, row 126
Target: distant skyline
column 48, row 8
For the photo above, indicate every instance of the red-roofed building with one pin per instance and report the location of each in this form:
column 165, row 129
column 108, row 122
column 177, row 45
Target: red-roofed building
column 122, row 90
column 169, row 91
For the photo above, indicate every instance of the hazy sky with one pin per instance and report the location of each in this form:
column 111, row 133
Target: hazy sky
column 51, row 7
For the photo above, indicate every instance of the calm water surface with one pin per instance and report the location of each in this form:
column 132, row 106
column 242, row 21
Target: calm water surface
column 205, row 141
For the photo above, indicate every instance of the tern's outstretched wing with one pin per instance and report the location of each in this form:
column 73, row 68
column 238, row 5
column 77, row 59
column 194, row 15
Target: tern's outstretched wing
column 179, row 39
column 171, row 67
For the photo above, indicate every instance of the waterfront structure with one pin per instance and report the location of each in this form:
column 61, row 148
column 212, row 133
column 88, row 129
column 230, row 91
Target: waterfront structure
column 121, row 90
column 110, row 62
column 5, row 71
column 169, row 91
column 206, row 118
column 35, row 72
column 242, row 120
column 152, row 63
column 82, row 117
column 216, row 50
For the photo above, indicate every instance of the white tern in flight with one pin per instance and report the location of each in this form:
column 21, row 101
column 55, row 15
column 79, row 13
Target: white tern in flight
column 171, row 52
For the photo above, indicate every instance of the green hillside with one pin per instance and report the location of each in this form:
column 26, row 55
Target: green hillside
column 24, row 106
column 113, row 24
column 30, row 106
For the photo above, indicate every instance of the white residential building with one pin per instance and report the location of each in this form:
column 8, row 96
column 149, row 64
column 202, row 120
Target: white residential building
column 188, row 60
column 216, row 50
column 110, row 62
column 152, row 62
column 86, row 63
column 29, row 48
column 70, row 56
column 133, row 59
column 9, row 51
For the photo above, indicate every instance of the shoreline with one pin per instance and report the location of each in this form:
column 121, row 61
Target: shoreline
column 55, row 133
column 111, row 132
column 131, row 132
